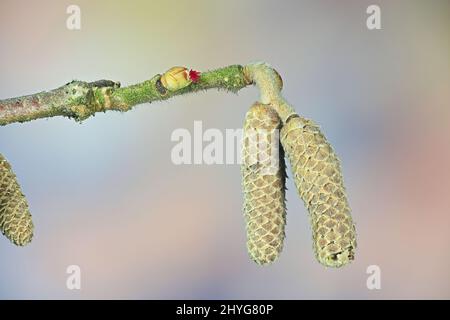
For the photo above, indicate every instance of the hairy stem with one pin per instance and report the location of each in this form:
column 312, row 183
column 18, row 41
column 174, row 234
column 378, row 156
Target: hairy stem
column 80, row 100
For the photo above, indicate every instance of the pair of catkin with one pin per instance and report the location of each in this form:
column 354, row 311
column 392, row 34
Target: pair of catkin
column 317, row 176
column 318, row 179
column 15, row 217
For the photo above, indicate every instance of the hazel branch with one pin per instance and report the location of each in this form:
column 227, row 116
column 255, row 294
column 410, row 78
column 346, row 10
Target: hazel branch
column 79, row 99
column 315, row 166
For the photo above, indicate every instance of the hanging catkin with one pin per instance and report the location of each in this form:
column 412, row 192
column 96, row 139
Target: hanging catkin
column 15, row 218
column 263, row 182
column 317, row 175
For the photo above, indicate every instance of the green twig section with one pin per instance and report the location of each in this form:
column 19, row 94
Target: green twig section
column 80, row 100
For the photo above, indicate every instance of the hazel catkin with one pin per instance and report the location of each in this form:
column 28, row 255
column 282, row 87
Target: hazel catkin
column 15, row 217
column 318, row 179
column 263, row 183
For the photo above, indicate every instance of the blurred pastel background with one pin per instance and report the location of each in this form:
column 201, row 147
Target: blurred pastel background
column 105, row 195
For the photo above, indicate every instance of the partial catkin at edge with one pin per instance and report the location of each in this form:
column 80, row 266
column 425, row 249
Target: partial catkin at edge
column 15, row 217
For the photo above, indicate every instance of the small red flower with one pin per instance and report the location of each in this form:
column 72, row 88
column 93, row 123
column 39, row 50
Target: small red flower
column 194, row 75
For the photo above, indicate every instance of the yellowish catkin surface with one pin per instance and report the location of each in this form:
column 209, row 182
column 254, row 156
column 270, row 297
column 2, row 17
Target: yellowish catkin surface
column 15, row 218
column 317, row 175
column 263, row 182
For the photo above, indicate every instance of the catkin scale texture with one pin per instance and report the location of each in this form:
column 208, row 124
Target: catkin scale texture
column 318, row 179
column 263, row 183
column 15, row 218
